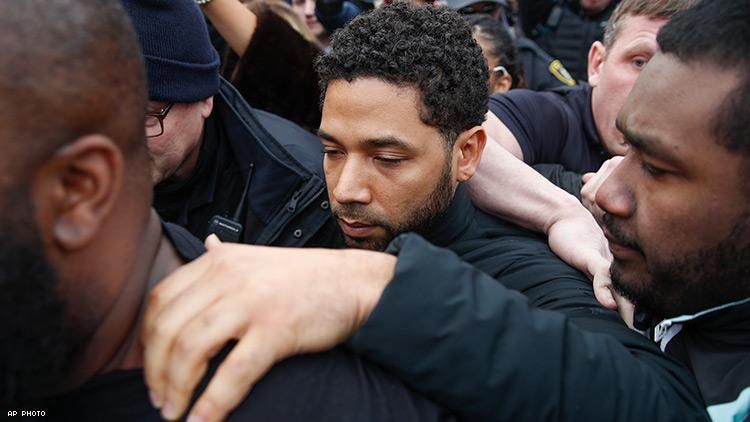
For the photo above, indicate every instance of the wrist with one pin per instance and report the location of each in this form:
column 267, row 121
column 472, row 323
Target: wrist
column 568, row 208
column 373, row 272
column 203, row 2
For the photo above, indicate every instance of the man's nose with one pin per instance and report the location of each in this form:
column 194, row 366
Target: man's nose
column 352, row 184
column 615, row 195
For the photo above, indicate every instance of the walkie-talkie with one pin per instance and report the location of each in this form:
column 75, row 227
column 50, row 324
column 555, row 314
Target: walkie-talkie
column 230, row 229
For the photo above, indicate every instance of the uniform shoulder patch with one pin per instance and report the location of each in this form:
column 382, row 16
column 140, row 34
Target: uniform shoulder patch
column 559, row 71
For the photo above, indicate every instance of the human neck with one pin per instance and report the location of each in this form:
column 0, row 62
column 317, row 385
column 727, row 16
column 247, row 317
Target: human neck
column 114, row 344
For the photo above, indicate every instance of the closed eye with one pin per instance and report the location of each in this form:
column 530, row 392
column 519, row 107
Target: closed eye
column 331, row 152
column 389, row 160
column 652, row 170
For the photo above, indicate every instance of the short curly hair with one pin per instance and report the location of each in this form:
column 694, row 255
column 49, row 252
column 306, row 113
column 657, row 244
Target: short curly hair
column 428, row 48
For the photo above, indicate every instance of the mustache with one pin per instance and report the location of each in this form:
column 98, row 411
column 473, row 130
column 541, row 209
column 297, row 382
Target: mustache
column 358, row 213
column 618, row 234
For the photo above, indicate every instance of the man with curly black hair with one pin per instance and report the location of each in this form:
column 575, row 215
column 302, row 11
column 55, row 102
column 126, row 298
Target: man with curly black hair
column 405, row 94
column 428, row 50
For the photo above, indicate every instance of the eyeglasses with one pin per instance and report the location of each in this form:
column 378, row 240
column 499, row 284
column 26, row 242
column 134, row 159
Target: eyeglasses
column 155, row 121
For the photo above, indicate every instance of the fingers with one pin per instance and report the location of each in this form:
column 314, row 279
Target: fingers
column 603, row 292
column 197, row 343
column 625, row 309
column 212, row 241
column 169, row 310
column 250, row 359
column 173, row 285
column 592, row 181
column 602, row 280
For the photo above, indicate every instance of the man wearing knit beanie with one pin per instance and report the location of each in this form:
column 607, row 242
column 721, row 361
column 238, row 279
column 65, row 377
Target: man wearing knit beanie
column 220, row 166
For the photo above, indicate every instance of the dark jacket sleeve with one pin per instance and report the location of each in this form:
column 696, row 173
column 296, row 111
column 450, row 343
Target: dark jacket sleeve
column 485, row 352
column 569, row 181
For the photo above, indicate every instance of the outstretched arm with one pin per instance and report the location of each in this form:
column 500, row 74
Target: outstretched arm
column 507, row 187
column 235, row 22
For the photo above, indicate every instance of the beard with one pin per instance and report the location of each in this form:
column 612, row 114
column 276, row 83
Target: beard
column 34, row 344
column 420, row 219
column 695, row 281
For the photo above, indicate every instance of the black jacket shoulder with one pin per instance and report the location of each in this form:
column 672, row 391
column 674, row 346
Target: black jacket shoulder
column 288, row 194
column 258, row 169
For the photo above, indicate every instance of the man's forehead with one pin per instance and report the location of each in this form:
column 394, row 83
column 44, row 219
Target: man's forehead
column 670, row 104
column 367, row 109
column 638, row 30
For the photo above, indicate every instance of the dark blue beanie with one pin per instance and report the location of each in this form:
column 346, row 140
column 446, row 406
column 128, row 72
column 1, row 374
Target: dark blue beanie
column 182, row 64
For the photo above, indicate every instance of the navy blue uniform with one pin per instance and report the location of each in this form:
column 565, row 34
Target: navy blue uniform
column 553, row 127
column 541, row 71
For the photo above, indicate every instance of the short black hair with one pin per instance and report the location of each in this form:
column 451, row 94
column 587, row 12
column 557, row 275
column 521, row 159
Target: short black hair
column 717, row 32
column 502, row 46
column 69, row 68
column 428, row 48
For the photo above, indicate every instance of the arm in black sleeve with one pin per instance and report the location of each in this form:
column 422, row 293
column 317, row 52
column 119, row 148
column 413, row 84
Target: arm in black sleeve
column 569, row 181
column 484, row 351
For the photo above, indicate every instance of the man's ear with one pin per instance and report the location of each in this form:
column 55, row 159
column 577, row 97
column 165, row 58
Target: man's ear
column 77, row 189
column 597, row 56
column 207, row 106
column 468, row 150
column 501, row 84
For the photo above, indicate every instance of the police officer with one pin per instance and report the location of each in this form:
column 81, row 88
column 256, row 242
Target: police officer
column 540, row 70
column 566, row 28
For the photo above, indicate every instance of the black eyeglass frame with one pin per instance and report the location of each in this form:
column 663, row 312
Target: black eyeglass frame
column 160, row 116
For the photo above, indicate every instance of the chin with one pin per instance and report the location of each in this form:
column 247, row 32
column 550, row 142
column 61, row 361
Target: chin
column 369, row 244
column 628, row 282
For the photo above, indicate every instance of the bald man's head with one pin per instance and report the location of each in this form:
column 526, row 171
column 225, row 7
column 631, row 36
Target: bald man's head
column 68, row 68
column 74, row 179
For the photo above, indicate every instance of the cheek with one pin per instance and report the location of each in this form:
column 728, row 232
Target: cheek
column 617, row 82
column 161, row 148
column 396, row 199
column 155, row 147
column 667, row 223
column 621, row 85
column 331, row 174
column 408, row 189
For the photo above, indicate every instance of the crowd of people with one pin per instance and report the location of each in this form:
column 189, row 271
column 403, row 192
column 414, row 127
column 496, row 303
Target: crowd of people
column 353, row 210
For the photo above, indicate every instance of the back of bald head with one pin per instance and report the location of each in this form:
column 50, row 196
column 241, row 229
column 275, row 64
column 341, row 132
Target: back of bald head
column 68, row 68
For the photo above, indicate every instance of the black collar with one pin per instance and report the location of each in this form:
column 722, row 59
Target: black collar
column 175, row 199
column 454, row 222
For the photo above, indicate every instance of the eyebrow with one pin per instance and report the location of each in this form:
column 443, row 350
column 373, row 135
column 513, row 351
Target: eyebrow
column 646, row 144
column 372, row 143
column 642, row 46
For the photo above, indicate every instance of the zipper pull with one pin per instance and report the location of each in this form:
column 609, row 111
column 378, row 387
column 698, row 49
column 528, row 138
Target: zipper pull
column 292, row 205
